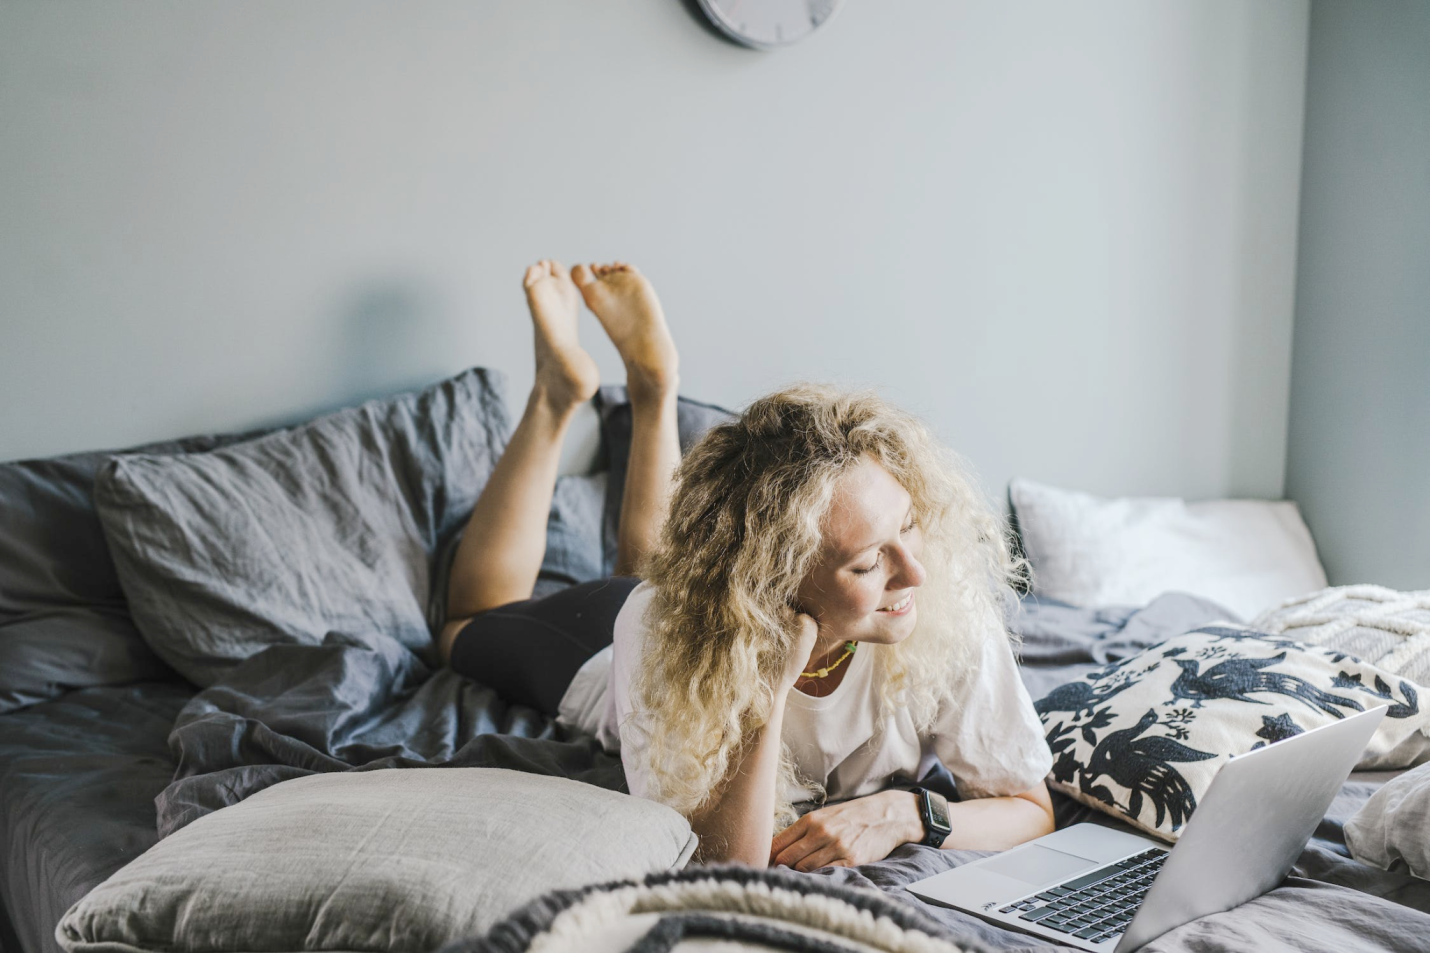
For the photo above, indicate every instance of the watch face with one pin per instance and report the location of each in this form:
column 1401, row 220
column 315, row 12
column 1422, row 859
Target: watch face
column 938, row 814
column 764, row 24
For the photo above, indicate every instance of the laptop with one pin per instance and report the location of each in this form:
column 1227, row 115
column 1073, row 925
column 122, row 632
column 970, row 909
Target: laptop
column 1097, row 888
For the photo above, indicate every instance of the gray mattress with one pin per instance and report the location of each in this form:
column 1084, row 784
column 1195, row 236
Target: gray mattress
column 80, row 776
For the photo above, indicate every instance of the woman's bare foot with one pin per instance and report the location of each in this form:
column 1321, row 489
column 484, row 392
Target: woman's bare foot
column 628, row 309
column 565, row 374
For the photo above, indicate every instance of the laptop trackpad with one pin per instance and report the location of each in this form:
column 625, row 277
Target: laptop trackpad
column 1037, row 865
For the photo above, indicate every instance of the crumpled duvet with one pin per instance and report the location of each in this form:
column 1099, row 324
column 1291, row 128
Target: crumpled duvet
column 342, row 706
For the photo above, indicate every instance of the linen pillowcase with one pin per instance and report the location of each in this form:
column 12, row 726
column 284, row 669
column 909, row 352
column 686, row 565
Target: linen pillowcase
column 1141, row 739
column 1392, row 829
column 63, row 619
column 329, row 527
column 693, row 418
column 574, row 549
column 1387, row 628
column 583, row 528
column 1088, row 550
column 324, row 862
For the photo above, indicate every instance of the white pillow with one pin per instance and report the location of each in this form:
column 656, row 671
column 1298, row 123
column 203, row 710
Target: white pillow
column 1247, row 555
column 1388, row 629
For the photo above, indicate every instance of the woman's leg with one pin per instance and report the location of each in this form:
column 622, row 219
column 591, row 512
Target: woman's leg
column 628, row 309
column 529, row 651
column 505, row 538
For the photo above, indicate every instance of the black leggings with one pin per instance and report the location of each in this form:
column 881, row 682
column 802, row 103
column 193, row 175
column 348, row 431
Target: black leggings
column 529, row 651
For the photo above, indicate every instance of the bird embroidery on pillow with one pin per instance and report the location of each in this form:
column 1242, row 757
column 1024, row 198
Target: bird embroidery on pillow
column 1238, row 678
column 1143, row 767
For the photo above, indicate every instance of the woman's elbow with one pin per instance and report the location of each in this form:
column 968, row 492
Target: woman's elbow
column 1039, row 797
column 719, row 844
column 717, row 855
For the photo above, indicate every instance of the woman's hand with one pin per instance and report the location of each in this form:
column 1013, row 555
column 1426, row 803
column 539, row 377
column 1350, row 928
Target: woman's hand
column 860, row 831
column 806, row 636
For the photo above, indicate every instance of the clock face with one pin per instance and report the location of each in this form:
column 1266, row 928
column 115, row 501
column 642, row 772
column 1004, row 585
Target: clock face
column 765, row 24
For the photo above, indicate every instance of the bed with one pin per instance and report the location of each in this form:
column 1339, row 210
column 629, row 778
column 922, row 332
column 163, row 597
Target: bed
column 111, row 745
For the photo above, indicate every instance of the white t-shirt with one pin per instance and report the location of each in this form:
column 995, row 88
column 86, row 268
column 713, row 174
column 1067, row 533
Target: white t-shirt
column 992, row 742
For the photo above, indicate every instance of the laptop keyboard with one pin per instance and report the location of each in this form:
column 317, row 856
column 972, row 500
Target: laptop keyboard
column 1095, row 906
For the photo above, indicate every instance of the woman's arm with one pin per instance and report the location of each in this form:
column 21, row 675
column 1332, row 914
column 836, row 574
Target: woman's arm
column 738, row 822
column 867, row 829
column 997, row 823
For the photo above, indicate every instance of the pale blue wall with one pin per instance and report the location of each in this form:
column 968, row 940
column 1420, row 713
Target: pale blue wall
column 1358, row 456
column 1063, row 232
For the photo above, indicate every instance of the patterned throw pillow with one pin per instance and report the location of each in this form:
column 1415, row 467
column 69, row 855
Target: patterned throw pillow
column 1142, row 738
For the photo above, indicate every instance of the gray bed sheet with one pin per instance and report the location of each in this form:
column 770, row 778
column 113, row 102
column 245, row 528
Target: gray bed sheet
column 89, row 780
column 78, row 778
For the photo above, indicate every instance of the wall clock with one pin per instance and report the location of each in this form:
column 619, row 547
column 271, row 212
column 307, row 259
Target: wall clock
column 769, row 24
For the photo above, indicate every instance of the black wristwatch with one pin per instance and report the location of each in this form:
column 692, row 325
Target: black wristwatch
column 933, row 809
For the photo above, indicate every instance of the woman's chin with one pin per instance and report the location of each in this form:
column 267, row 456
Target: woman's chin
column 895, row 630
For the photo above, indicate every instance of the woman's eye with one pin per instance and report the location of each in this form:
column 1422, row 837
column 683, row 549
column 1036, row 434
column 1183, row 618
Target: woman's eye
column 862, row 572
column 910, row 527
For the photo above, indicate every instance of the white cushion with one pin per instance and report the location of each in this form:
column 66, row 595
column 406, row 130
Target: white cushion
column 1387, row 628
column 1246, row 555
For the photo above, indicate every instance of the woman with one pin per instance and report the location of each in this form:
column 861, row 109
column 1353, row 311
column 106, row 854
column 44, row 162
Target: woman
column 816, row 523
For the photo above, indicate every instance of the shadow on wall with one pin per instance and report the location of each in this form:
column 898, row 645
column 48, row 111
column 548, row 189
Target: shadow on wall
column 381, row 345
column 692, row 7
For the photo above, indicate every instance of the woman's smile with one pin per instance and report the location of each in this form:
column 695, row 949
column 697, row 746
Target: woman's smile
column 901, row 607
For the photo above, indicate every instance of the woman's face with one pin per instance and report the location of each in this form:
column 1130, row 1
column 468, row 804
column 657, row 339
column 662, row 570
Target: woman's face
column 862, row 588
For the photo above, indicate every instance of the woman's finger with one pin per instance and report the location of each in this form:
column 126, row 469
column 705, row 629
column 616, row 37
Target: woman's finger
column 789, row 835
column 824, row 857
column 793, row 854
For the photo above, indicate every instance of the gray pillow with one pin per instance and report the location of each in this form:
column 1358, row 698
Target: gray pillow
column 1392, row 829
column 584, row 525
column 391, row 860
column 327, row 528
column 63, row 619
column 575, row 551
column 693, row 418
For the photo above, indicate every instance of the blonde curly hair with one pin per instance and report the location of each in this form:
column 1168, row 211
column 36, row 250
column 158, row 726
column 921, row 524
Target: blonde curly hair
column 744, row 530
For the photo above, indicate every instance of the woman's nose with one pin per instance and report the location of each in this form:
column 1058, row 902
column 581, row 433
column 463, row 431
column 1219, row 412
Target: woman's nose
column 910, row 572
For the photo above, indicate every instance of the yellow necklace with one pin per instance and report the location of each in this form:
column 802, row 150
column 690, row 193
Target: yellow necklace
column 849, row 648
